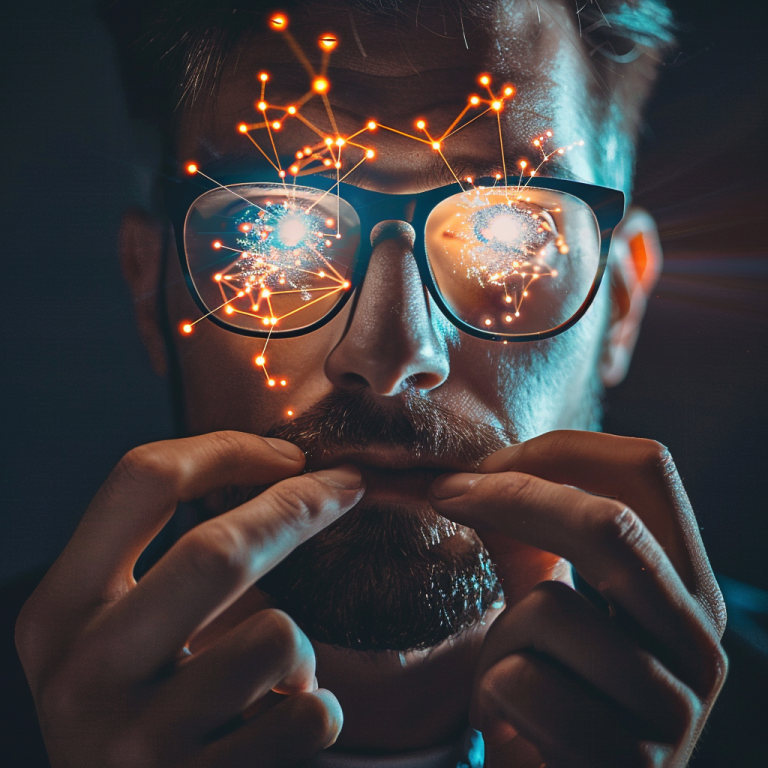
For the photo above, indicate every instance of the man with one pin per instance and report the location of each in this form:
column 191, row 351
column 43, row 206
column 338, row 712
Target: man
column 417, row 579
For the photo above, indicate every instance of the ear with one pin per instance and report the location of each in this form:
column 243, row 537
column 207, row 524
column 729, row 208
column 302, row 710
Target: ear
column 141, row 259
column 634, row 268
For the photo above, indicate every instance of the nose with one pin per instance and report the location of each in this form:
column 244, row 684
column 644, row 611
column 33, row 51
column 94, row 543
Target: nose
column 390, row 343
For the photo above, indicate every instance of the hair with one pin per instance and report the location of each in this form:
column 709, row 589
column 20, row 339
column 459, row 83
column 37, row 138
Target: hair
column 174, row 51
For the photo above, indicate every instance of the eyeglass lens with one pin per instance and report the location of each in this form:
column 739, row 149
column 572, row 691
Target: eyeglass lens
column 505, row 260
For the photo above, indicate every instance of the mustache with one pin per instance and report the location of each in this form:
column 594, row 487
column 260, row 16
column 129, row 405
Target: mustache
column 354, row 420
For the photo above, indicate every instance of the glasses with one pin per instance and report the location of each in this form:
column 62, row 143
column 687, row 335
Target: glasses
column 506, row 263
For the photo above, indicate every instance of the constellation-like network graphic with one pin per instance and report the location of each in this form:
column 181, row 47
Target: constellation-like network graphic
column 289, row 239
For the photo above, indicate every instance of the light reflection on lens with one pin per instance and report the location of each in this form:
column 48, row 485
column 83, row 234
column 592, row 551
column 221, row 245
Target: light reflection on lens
column 512, row 260
column 269, row 257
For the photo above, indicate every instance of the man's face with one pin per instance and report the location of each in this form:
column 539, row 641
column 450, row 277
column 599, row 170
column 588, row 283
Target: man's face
column 390, row 366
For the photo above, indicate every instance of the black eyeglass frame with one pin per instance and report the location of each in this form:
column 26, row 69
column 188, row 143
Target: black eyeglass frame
column 606, row 204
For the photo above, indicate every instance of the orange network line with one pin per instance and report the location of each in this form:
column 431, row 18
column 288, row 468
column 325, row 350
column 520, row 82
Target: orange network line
column 245, row 276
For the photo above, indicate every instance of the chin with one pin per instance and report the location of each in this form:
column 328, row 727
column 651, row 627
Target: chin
column 391, row 575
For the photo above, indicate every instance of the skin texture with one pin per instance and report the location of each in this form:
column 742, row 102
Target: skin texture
column 554, row 678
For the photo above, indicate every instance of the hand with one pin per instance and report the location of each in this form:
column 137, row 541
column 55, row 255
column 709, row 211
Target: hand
column 103, row 654
column 585, row 688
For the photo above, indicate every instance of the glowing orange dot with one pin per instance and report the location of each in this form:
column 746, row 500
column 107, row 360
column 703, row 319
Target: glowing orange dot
column 291, row 110
column 517, row 314
column 273, row 321
column 421, row 125
column 265, row 321
column 329, row 222
column 549, row 133
column 370, row 154
column 496, row 105
column 191, row 168
column 278, row 21
column 229, row 310
column 217, row 244
column 484, row 79
column 371, row 125
column 307, row 151
column 474, row 100
column 217, row 278
column 263, row 76
column 337, row 164
column 509, row 90
column 320, row 84
column 290, row 413
column 243, row 128
column 262, row 105
column 435, row 145
column 338, row 235
column 523, row 164
column 277, row 125
column 346, row 284
column 283, row 382
column 294, row 169
column 326, row 162
column 328, row 42
column 260, row 360
column 468, row 179
column 271, row 382
column 266, row 292
column 281, row 174
column 240, row 294
column 508, row 318
column 508, row 299
column 187, row 328
column 498, row 176
column 340, row 142
column 487, row 322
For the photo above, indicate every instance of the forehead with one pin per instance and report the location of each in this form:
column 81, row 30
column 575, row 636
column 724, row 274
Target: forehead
column 396, row 74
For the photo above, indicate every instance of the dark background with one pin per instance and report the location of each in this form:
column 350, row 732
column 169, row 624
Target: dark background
column 78, row 392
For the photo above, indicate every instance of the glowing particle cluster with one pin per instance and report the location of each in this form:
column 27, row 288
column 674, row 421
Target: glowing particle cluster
column 285, row 248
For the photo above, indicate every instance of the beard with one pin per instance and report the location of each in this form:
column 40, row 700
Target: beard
column 385, row 577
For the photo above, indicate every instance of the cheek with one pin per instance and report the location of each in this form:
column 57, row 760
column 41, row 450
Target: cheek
column 225, row 388
column 538, row 386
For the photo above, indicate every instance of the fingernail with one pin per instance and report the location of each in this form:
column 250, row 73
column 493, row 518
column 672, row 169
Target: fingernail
column 502, row 459
column 284, row 448
column 346, row 476
column 451, row 486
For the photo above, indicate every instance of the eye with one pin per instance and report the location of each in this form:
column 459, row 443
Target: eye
column 281, row 258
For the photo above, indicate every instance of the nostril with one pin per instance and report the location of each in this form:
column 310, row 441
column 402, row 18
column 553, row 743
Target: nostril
column 401, row 231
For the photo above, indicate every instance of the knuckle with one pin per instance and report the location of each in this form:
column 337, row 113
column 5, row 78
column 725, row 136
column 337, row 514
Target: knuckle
column 291, row 502
column 149, row 464
column 566, row 442
column 281, row 632
column 216, row 550
column 615, row 525
column 525, row 488
column 227, row 442
column 318, row 724
column 654, row 457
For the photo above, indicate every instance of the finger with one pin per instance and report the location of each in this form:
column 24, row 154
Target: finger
column 559, row 623
column 293, row 730
column 266, row 652
column 641, row 474
column 215, row 563
column 609, row 546
column 567, row 722
column 141, row 494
